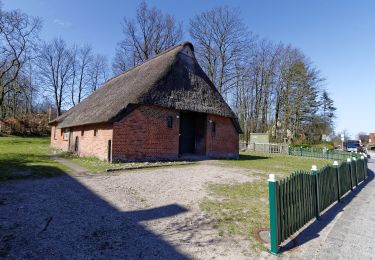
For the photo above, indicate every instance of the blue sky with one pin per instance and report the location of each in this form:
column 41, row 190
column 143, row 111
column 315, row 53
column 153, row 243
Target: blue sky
column 338, row 36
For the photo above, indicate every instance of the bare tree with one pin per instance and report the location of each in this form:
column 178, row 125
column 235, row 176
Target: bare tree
column 150, row 33
column 220, row 38
column 83, row 59
column 56, row 63
column 98, row 72
column 18, row 36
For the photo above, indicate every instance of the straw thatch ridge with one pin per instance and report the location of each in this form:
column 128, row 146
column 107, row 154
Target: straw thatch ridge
column 173, row 79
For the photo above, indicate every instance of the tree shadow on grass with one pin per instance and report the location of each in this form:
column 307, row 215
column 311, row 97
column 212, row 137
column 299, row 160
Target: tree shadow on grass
column 17, row 166
column 62, row 218
column 247, row 157
column 312, row 231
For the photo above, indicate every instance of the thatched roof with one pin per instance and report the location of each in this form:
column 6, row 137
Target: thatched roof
column 172, row 79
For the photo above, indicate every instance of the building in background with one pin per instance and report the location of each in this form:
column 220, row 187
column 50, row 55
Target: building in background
column 371, row 141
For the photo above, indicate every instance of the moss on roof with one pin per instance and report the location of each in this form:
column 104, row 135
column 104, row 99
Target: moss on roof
column 172, row 79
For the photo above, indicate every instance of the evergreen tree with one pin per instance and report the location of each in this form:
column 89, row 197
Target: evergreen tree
column 328, row 111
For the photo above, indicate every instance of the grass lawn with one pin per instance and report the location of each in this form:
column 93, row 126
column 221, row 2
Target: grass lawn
column 267, row 163
column 242, row 209
column 94, row 165
column 22, row 157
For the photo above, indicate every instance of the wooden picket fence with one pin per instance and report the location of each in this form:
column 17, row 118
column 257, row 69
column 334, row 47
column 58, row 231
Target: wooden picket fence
column 320, row 153
column 297, row 151
column 268, row 148
column 297, row 199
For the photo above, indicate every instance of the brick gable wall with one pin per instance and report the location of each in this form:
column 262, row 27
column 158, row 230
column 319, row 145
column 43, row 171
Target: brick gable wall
column 144, row 135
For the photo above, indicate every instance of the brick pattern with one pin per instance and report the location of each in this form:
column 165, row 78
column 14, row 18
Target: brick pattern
column 57, row 139
column 224, row 142
column 144, row 135
column 372, row 138
column 88, row 144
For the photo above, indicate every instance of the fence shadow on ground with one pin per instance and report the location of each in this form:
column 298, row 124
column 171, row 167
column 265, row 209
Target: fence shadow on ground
column 312, row 231
column 63, row 218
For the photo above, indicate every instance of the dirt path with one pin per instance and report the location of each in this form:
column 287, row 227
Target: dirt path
column 77, row 169
column 151, row 213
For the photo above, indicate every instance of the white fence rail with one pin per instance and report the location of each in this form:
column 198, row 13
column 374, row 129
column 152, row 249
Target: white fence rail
column 265, row 148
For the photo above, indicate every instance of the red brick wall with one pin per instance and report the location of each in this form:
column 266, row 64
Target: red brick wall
column 144, row 135
column 224, row 142
column 57, row 140
column 88, row 144
column 372, row 137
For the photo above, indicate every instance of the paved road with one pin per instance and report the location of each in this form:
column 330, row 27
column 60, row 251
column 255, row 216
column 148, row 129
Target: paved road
column 352, row 236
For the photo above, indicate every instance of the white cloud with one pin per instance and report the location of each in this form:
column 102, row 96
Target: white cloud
column 61, row 23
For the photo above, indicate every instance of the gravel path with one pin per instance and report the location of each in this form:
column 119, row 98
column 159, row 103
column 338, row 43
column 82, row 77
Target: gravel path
column 151, row 213
column 69, row 164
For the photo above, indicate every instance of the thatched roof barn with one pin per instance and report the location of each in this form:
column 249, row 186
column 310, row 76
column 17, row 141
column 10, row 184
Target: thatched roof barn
column 172, row 83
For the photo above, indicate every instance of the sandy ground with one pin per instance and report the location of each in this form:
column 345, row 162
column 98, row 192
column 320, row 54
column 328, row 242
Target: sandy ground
column 140, row 214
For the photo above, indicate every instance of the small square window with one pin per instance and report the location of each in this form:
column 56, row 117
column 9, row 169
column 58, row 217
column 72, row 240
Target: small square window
column 82, row 133
column 169, row 121
column 95, row 132
column 66, row 134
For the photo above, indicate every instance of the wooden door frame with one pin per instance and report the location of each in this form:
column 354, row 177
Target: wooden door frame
column 70, row 145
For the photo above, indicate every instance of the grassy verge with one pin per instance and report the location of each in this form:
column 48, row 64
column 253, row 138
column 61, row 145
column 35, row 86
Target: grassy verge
column 94, row 165
column 242, row 209
column 22, row 157
column 267, row 163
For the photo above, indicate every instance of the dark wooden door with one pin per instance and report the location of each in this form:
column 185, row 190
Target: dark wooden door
column 109, row 157
column 187, row 133
column 76, row 145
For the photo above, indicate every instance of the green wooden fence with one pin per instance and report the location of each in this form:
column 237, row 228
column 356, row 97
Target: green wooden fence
column 300, row 197
column 321, row 153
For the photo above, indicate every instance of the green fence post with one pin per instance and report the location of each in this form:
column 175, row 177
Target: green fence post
column 272, row 187
column 314, row 172
column 355, row 171
column 360, row 169
column 365, row 165
column 349, row 162
column 301, row 151
column 336, row 166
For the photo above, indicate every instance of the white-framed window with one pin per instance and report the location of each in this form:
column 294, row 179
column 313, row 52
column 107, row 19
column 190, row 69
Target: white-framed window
column 66, row 134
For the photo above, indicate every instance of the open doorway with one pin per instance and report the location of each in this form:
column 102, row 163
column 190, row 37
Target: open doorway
column 192, row 133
